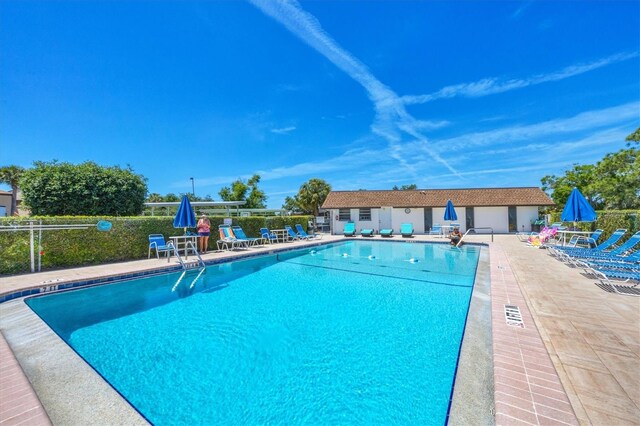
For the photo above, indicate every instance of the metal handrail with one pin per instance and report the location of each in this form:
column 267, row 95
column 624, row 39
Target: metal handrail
column 188, row 245
column 474, row 229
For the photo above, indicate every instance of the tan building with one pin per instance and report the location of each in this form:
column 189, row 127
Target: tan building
column 5, row 204
column 501, row 209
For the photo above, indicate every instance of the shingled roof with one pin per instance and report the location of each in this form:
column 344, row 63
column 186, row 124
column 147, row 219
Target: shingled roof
column 473, row 197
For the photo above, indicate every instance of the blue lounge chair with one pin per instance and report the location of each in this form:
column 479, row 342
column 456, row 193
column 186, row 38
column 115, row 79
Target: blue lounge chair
column 406, row 229
column 621, row 282
column 292, row 234
column 387, row 232
column 366, row 232
column 303, row 234
column 590, row 241
column 268, row 236
column 238, row 232
column 349, row 229
column 613, row 239
column 228, row 240
column 631, row 261
column 436, row 229
column 621, row 250
column 157, row 243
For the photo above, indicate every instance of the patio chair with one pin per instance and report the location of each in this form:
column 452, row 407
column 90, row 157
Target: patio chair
column 349, row 229
column 292, row 234
column 618, row 263
column 238, row 232
column 387, row 232
column 228, row 240
column 621, row 250
column 302, row 233
column 590, row 241
column 611, row 241
column 157, row 243
column 366, row 232
column 406, row 229
column 268, row 236
column 621, row 282
column 436, row 229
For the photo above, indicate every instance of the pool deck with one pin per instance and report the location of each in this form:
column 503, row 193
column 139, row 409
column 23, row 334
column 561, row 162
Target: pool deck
column 576, row 361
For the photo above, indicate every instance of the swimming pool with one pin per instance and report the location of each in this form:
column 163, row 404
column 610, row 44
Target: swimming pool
column 358, row 332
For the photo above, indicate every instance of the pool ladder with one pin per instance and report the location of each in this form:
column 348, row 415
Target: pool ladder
column 474, row 229
column 186, row 266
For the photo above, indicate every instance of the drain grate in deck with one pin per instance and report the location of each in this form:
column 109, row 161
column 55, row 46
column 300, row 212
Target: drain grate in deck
column 513, row 316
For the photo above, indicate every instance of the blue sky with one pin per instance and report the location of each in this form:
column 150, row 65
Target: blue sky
column 363, row 94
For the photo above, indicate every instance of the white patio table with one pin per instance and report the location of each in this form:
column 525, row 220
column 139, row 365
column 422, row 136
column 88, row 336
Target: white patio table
column 564, row 234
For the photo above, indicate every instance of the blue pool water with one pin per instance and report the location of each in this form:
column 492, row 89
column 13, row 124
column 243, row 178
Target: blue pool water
column 360, row 332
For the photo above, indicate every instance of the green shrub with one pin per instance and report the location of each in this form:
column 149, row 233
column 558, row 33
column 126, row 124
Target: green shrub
column 127, row 240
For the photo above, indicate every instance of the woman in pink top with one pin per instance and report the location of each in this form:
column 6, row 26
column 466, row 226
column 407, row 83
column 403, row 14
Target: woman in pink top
column 204, row 230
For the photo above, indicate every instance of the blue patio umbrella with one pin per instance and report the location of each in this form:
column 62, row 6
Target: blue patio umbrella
column 185, row 217
column 450, row 212
column 577, row 209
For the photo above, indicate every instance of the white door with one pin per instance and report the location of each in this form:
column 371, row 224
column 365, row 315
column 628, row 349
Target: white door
column 384, row 220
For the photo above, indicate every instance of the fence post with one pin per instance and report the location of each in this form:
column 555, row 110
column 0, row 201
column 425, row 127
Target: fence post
column 33, row 266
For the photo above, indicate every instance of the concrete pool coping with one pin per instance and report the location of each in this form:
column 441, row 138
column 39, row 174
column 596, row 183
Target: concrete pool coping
column 513, row 402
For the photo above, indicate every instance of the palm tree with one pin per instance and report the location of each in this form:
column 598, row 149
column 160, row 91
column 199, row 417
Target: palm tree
column 11, row 176
column 312, row 194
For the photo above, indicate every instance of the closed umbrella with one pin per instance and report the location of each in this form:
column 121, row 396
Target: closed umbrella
column 577, row 209
column 185, row 217
column 450, row 212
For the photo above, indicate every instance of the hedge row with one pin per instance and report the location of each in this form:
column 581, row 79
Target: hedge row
column 127, row 239
column 609, row 221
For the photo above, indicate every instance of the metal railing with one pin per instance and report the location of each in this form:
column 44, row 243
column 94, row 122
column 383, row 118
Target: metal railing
column 185, row 265
column 475, row 229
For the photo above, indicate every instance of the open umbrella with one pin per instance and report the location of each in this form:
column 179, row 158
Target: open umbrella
column 450, row 212
column 577, row 209
column 185, row 217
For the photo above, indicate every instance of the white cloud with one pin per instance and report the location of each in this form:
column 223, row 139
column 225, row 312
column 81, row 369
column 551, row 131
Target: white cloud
column 283, row 130
column 589, row 120
column 491, row 86
column 520, row 10
column 392, row 119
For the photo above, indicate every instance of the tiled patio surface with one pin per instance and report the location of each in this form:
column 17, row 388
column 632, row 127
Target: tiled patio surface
column 19, row 405
column 577, row 338
column 592, row 336
column 527, row 387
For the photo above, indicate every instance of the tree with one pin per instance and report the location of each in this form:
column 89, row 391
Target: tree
column 11, row 176
column 52, row 188
column 611, row 183
column 311, row 195
column 580, row 176
column 617, row 179
column 413, row 186
column 633, row 137
column 291, row 204
column 256, row 198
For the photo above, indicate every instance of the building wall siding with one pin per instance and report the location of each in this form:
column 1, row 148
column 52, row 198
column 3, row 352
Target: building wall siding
column 525, row 214
column 415, row 217
column 495, row 217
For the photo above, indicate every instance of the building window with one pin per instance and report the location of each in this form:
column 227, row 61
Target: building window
column 344, row 215
column 365, row 214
